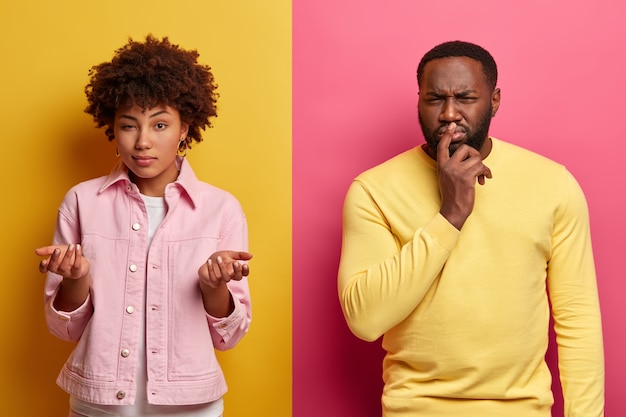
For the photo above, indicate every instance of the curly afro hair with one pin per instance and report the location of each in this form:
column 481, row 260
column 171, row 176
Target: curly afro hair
column 149, row 74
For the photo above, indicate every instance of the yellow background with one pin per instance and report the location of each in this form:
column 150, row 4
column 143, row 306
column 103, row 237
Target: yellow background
column 49, row 144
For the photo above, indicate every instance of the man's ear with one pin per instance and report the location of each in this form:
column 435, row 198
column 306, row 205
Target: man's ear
column 495, row 101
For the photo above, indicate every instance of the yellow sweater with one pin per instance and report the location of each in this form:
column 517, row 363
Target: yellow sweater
column 465, row 315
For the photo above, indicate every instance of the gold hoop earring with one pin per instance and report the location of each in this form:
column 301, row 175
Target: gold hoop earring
column 186, row 147
column 117, row 153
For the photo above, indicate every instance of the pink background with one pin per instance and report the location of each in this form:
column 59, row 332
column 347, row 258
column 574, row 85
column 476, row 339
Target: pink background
column 354, row 105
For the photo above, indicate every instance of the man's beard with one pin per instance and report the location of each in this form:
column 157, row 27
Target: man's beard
column 474, row 138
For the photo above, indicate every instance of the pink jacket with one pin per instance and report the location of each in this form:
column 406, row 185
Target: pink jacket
column 108, row 217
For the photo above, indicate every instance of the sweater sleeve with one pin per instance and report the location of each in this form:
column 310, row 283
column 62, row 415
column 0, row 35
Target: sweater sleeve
column 380, row 280
column 575, row 308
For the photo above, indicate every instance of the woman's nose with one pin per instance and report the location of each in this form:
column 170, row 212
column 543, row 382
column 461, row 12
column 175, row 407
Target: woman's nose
column 144, row 141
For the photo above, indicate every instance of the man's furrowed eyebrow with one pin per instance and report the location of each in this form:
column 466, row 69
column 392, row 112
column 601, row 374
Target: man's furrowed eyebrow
column 463, row 93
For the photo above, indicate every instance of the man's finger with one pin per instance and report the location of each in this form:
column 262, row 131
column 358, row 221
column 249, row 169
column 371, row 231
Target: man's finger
column 485, row 174
column 443, row 147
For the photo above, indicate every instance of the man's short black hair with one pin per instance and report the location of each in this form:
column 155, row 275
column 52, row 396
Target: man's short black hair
column 460, row 48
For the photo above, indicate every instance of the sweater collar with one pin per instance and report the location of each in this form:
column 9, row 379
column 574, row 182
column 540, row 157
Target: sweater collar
column 495, row 148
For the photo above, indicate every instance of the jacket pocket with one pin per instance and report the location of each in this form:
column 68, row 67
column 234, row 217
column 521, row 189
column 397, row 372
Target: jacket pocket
column 191, row 352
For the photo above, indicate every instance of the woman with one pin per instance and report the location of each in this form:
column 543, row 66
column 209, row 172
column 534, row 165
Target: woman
column 148, row 267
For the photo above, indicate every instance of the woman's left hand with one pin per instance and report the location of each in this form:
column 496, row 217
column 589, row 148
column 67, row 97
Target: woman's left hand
column 224, row 266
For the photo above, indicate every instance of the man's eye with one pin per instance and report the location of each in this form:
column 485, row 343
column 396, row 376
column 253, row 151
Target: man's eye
column 467, row 100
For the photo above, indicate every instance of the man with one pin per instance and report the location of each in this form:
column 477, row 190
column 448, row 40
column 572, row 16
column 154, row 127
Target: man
column 448, row 250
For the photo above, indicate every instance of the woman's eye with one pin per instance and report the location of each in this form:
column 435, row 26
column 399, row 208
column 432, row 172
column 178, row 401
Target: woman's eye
column 160, row 126
column 127, row 127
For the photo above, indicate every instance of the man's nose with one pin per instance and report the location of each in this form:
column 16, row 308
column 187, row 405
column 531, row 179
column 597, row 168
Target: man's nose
column 450, row 112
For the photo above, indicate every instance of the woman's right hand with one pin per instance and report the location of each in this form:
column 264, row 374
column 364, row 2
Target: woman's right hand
column 65, row 260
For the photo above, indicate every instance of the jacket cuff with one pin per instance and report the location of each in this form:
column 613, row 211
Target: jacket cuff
column 60, row 322
column 229, row 326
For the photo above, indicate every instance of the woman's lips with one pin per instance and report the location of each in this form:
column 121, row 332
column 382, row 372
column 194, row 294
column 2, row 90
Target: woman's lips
column 143, row 161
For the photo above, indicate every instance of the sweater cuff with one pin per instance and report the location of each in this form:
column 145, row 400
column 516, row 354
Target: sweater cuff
column 443, row 232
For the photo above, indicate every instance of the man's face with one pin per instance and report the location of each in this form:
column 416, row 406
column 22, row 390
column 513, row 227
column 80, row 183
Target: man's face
column 455, row 89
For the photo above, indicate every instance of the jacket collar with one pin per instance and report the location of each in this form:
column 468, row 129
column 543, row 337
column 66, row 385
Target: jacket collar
column 186, row 181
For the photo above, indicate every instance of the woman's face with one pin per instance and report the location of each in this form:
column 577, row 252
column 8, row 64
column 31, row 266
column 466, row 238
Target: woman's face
column 147, row 141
